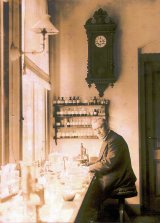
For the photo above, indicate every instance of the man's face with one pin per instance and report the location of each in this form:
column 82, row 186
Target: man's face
column 100, row 130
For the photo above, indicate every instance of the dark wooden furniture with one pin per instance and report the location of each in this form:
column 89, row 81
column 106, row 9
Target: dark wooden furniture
column 121, row 194
column 100, row 34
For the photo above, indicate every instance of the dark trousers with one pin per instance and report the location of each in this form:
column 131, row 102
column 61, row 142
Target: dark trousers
column 95, row 195
column 91, row 204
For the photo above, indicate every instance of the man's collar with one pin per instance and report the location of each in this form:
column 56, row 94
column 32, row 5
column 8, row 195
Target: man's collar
column 106, row 135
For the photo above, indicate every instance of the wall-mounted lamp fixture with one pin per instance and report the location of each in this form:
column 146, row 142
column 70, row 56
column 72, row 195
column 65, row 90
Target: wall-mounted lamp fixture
column 43, row 27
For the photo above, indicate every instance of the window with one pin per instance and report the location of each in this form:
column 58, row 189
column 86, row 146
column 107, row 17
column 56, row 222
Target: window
column 35, row 117
column 22, row 96
column 35, row 85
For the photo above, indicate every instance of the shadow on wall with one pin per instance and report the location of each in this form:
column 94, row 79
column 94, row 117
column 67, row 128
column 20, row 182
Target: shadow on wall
column 117, row 53
column 65, row 8
column 113, row 12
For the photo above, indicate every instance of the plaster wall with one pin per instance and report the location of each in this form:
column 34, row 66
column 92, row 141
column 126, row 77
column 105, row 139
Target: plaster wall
column 33, row 12
column 137, row 27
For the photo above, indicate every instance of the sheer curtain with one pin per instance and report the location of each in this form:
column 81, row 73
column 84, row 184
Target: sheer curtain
column 34, row 117
column 35, row 84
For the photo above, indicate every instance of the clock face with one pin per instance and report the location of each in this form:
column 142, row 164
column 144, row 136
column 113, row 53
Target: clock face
column 100, row 41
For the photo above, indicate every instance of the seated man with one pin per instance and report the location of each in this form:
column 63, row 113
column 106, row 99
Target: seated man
column 113, row 168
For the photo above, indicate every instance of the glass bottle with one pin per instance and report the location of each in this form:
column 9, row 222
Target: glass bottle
column 58, row 100
column 62, row 100
column 95, row 112
column 94, row 100
column 78, row 100
column 91, row 101
column 98, row 101
column 70, row 100
column 66, row 100
column 55, row 101
column 74, row 100
column 84, row 155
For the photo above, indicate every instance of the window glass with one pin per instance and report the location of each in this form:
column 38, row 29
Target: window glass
column 35, row 117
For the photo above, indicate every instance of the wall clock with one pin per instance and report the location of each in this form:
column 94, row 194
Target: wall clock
column 100, row 31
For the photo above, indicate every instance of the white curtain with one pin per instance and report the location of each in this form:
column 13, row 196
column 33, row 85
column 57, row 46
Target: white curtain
column 35, row 117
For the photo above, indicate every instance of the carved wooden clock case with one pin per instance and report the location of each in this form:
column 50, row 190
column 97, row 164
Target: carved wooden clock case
column 100, row 34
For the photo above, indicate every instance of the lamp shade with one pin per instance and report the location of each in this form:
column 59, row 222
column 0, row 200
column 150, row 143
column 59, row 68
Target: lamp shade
column 45, row 24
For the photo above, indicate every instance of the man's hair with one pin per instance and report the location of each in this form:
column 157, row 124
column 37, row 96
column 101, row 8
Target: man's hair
column 100, row 121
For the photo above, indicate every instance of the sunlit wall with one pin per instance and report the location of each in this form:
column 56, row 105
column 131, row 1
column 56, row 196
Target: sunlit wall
column 137, row 26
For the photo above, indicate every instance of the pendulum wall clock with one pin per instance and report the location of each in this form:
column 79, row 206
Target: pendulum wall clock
column 100, row 34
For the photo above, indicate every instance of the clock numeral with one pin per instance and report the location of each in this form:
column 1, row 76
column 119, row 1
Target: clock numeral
column 100, row 41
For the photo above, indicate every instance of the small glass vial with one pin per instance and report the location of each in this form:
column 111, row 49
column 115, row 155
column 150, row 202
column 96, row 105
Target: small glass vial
column 58, row 124
column 91, row 101
column 102, row 101
column 62, row 100
column 58, row 112
column 94, row 100
column 55, row 101
column 74, row 100
column 70, row 100
column 66, row 100
column 68, row 123
column 58, row 100
column 95, row 112
column 62, row 112
column 72, row 112
column 69, row 112
column 98, row 101
column 84, row 112
column 78, row 100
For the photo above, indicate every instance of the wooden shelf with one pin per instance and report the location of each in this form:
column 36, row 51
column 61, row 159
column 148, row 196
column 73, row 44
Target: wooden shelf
column 74, row 116
column 61, row 129
column 73, row 126
column 82, row 104
column 77, row 137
